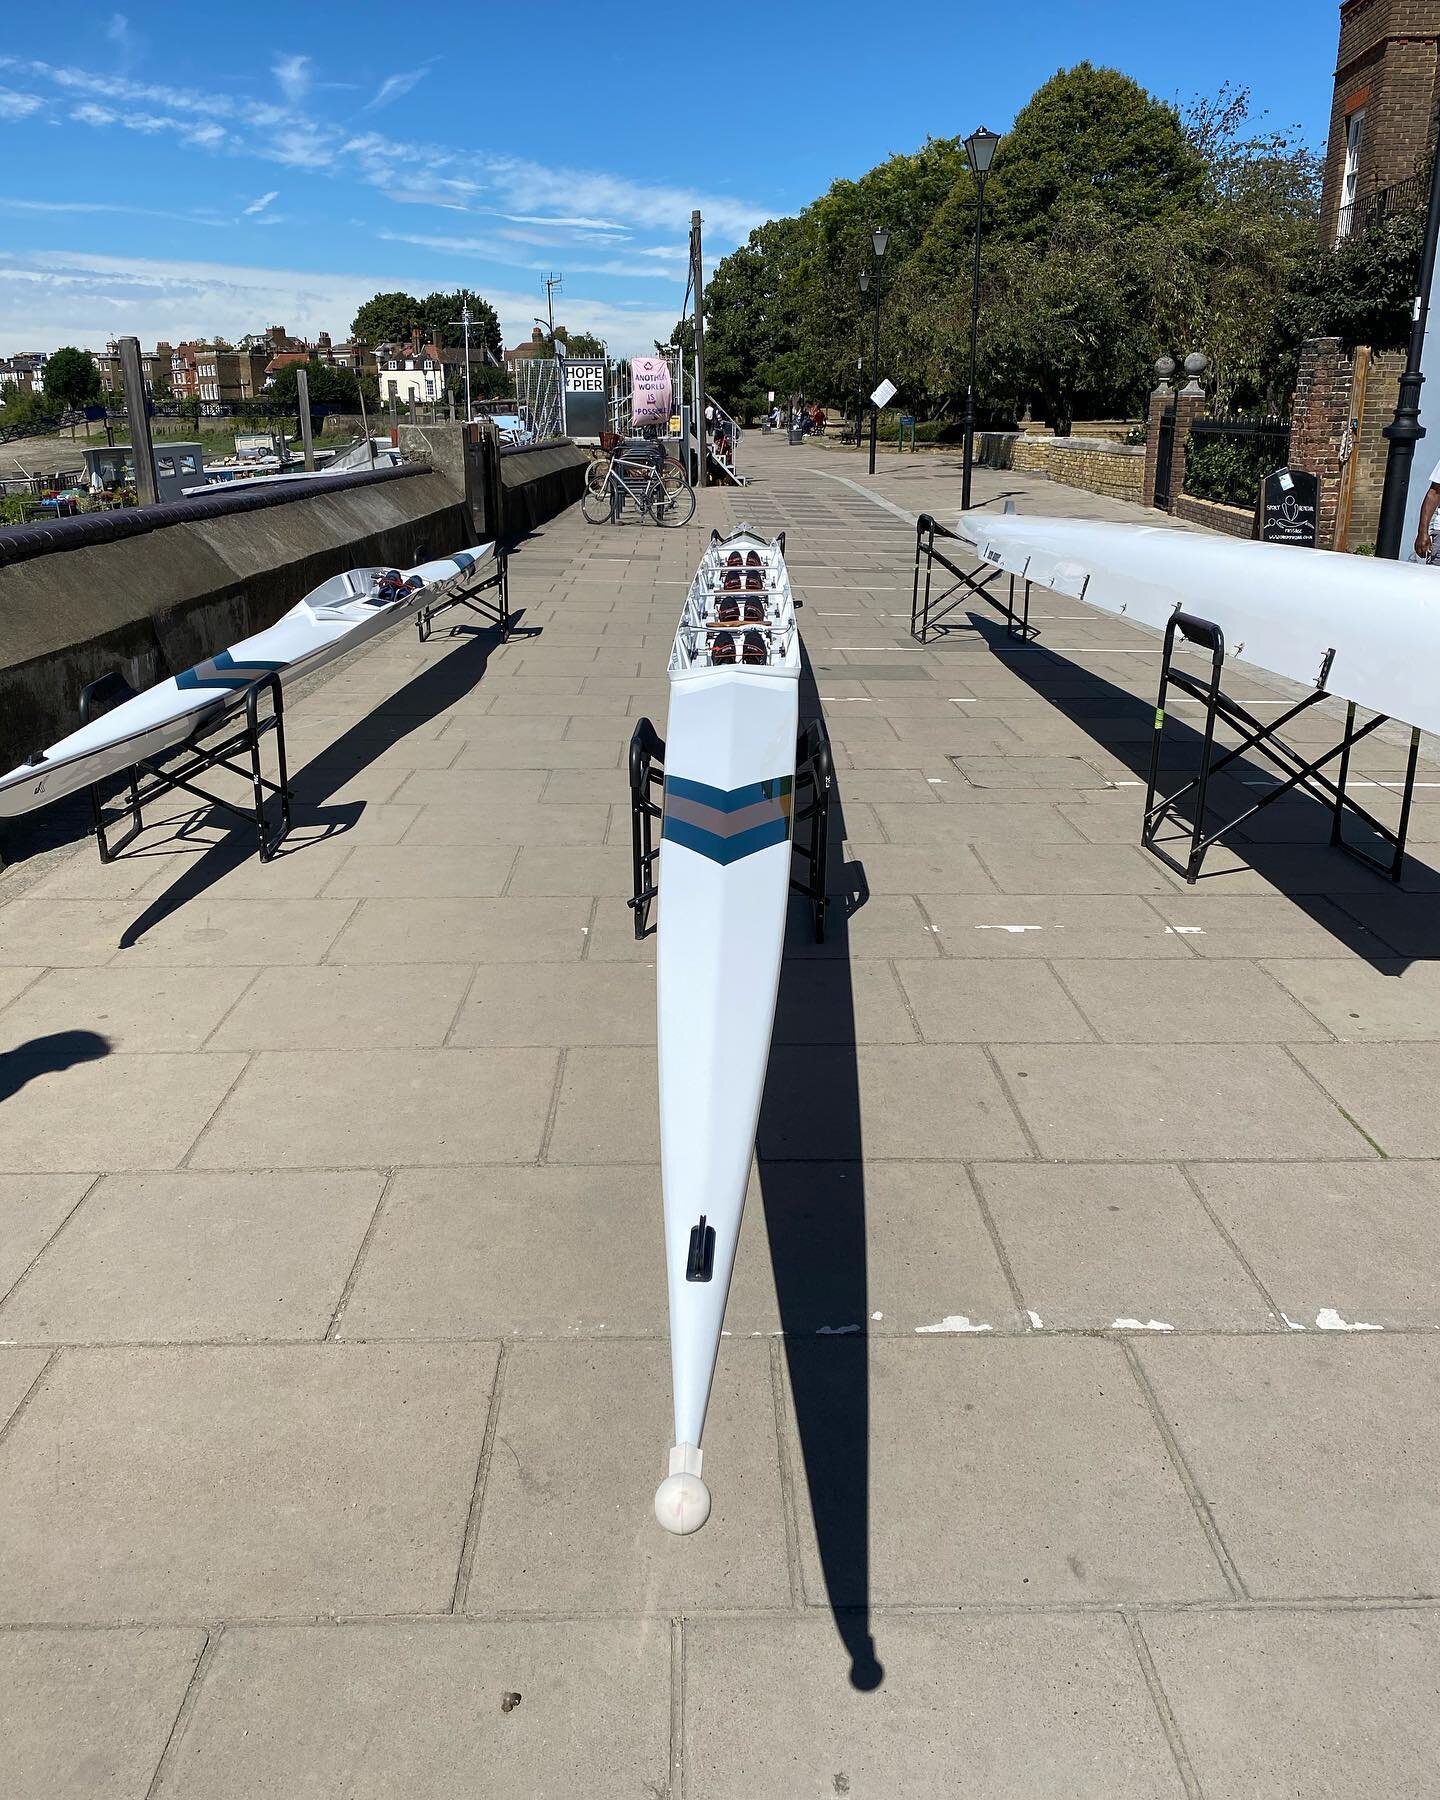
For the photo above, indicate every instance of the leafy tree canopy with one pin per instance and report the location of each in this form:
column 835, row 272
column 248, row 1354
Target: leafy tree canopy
column 390, row 318
column 328, row 386
column 72, row 378
column 584, row 343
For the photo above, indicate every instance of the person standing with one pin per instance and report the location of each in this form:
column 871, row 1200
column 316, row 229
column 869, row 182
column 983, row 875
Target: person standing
column 1427, row 550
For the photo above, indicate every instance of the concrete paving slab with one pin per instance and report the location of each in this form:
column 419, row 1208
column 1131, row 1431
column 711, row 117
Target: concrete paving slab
column 974, row 822
column 1189, row 1002
column 1321, row 1703
column 73, row 1106
column 862, row 925
column 769, row 1713
column 377, row 1108
column 131, row 1008
column 63, row 934
column 1388, row 1089
column 433, row 872
column 89, row 1712
column 941, row 1101
column 1056, row 1484
column 1050, row 925
column 841, row 1002
column 32, row 1209
column 1336, row 1243
column 573, row 870
column 1314, row 1454
column 1267, row 925
column 836, row 1249
column 912, row 869
column 346, row 1007
column 260, row 1481
column 547, row 1540
column 18, row 1371
column 206, row 932
column 973, row 1000
column 608, row 1105
column 1362, row 1002
column 486, row 822
column 453, row 1255
column 1111, row 1102
column 428, row 930
column 289, row 1710
column 575, row 1004
column 185, row 1256
column 1058, row 868
column 1097, row 1247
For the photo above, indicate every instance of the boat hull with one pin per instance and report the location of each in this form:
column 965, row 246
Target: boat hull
column 336, row 618
column 724, row 885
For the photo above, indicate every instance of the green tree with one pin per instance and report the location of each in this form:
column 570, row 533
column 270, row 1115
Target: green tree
column 24, row 412
column 72, row 378
column 387, row 318
column 1092, row 135
column 586, row 344
column 439, row 319
column 328, row 386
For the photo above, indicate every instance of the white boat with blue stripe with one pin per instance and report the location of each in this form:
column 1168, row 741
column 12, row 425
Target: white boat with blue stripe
column 337, row 616
column 725, row 846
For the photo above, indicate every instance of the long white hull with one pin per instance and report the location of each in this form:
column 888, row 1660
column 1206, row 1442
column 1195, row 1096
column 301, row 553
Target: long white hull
column 338, row 616
column 1280, row 608
column 724, row 888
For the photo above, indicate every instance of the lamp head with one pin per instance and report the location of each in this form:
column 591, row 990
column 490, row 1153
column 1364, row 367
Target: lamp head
column 864, row 281
column 980, row 149
column 880, row 238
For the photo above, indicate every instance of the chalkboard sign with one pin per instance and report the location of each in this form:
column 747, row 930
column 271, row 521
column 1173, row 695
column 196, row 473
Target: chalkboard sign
column 1289, row 504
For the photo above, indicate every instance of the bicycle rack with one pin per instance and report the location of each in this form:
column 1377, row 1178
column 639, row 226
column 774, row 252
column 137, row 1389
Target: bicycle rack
column 924, row 616
column 814, row 785
column 1300, row 772
column 203, row 753
column 493, row 612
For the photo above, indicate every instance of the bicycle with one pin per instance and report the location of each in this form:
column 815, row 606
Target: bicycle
column 660, row 490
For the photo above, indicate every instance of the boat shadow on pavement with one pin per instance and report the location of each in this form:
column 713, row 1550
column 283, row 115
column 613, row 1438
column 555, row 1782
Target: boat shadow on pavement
column 391, row 722
column 815, row 1221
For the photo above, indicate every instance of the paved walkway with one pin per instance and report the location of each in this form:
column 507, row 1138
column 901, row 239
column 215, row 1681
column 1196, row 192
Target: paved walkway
column 1075, row 1432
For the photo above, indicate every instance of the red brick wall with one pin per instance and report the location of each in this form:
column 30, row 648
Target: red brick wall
column 1387, row 62
column 1319, row 421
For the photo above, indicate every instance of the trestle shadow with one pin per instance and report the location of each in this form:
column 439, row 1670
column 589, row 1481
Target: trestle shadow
column 420, row 699
column 1284, row 842
column 46, row 1056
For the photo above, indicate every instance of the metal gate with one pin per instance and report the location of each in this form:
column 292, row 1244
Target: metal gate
column 1164, row 457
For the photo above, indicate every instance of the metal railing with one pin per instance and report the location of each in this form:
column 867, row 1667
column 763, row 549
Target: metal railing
column 1365, row 215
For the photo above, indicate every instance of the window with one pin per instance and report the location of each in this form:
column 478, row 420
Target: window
column 1350, row 181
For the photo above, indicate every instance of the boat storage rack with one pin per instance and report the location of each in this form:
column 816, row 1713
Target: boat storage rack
column 929, row 612
column 228, row 739
column 814, row 785
column 494, row 611
column 1298, row 772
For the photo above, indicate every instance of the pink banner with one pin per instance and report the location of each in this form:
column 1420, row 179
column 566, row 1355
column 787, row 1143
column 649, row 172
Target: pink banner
column 650, row 388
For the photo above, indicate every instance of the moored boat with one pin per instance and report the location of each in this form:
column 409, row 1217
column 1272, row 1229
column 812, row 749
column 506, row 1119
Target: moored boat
column 725, row 880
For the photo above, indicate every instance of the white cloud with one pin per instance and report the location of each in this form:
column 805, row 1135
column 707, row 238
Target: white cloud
column 10, row 204
column 15, row 105
column 293, row 75
column 497, row 250
column 121, row 37
column 395, row 87
column 258, row 206
column 76, row 296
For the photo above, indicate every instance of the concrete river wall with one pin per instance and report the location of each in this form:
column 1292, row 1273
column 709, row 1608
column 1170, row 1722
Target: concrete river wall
column 151, row 591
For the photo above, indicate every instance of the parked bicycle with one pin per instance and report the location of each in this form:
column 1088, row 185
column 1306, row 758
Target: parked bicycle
column 652, row 484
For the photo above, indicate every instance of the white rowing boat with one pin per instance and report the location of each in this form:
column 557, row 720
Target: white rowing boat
column 1365, row 630
column 724, row 885
column 339, row 615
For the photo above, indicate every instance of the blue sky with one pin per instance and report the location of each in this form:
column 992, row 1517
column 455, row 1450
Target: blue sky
column 178, row 171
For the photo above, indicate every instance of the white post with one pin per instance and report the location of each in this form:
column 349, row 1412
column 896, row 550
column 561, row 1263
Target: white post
column 465, row 321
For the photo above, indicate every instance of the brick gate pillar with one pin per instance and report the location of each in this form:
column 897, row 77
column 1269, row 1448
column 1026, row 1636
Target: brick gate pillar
column 1160, row 399
column 1320, row 425
column 1190, row 405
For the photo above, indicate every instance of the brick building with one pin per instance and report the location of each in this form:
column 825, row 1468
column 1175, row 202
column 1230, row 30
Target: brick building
column 1382, row 119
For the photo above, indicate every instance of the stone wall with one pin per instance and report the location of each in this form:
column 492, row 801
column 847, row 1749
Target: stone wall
column 1234, row 521
column 1095, row 464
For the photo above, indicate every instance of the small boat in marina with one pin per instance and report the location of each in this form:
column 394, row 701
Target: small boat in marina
column 725, row 874
column 339, row 615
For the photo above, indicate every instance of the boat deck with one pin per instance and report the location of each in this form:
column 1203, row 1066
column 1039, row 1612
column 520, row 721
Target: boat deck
column 1074, row 1434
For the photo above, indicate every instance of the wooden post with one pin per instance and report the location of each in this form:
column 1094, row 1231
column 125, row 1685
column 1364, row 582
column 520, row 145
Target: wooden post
column 142, row 448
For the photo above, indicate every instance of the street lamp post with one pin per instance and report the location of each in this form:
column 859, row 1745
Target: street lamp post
column 880, row 243
column 860, row 360
column 980, row 153
column 1405, row 430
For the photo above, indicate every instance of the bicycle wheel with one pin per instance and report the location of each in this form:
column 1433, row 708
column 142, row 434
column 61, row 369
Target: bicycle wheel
column 672, row 504
column 598, row 473
column 595, row 503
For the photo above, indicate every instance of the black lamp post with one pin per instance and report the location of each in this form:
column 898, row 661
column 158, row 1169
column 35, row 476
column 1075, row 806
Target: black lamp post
column 1405, row 430
column 880, row 243
column 980, row 152
column 860, row 362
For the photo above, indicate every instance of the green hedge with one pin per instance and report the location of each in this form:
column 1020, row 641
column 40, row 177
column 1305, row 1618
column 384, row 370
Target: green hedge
column 1229, row 469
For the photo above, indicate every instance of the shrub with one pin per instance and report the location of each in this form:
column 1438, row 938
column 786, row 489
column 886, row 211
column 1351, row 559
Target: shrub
column 1229, row 469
